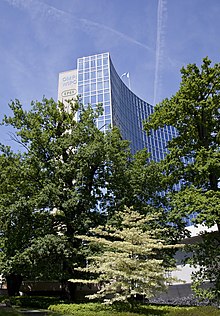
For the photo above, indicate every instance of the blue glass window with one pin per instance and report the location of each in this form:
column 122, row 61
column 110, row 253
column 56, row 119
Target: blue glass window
column 80, row 89
column 107, row 96
column 105, row 61
column 99, row 74
column 80, row 65
column 86, row 100
column 99, row 62
column 105, row 71
column 93, row 74
column 107, row 110
column 93, row 63
column 106, row 84
column 80, row 77
column 100, row 97
column 93, row 86
column 100, row 124
column 108, row 122
column 86, row 76
column 86, row 88
column 93, row 99
column 99, row 86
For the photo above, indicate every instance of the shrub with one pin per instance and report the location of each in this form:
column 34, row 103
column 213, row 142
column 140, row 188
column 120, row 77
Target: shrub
column 196, row 311
column 42, row 302
column 96, row 309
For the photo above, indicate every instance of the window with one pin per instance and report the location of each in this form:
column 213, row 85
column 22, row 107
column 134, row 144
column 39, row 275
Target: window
column 107, row 96
column 99, row 74
column 93, row 63
column 86, row 88
column 80, row 77
column 107, row 110
column 93, row 86
column 86, row 100
column 105, row 61
column 86, row 76
column 93, row 74
column 80, row 89
column 99, row 86
column 99, row 62
column 100, row 97
column 106, row 84
column 93, row 99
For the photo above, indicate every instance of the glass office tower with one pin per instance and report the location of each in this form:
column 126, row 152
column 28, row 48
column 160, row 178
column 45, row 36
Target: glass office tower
column 96, row 81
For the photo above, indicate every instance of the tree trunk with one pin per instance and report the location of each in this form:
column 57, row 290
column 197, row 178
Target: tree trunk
column 13, row 284
column 69, row 291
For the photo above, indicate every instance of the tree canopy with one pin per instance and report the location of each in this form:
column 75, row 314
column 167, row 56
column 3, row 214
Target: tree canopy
column 193, row 162
column 68, row 177
column 194, row 155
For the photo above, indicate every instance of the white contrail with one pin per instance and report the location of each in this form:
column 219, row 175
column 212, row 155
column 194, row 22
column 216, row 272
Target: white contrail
column 119, row 34
column 36, row 7
column 160, row 44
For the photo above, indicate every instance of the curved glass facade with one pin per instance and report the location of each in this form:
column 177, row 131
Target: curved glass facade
column 129, row 112
column 98, row 82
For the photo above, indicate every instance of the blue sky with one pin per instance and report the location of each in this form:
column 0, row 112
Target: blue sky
column 150, row 39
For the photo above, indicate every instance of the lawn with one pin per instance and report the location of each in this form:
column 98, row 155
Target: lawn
column 57, row 307
column 94, row 309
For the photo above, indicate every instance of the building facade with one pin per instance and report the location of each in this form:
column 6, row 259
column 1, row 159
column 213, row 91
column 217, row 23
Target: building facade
column 95, row 80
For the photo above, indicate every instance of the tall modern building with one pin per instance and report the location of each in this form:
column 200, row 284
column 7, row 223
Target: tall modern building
column 95, row 80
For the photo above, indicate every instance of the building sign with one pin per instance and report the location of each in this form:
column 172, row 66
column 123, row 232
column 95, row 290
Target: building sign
column 67, row 87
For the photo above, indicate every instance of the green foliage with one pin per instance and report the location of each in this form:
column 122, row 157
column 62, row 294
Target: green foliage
column 54, row 188
column 9, row 312
column 42, row 302
column 209, row 269
column 130, row 261
column 68, row 177
column 194, row 158
column 195, row 311
column 148, row 310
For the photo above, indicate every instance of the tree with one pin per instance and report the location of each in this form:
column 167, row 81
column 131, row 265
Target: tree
column 130, row 259
column 206, row 279
column 194, row 155
column 68, row 177
column 52, row 189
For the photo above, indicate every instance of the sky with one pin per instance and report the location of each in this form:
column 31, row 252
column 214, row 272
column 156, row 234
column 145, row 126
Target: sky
column 150, row 39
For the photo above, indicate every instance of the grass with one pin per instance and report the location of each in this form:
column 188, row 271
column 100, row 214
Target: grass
column 94, row 309
column 8, row 312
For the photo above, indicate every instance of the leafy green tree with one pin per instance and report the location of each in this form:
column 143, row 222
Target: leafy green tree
column 130, row 259
column 194, row 155
column 52, row 189
column 67, row 178
column 207, row 254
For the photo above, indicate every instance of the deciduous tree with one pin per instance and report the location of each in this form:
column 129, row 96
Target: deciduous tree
column 194, row 155
column 130, row 259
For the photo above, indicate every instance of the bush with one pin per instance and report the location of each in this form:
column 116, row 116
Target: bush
column 42, row 302
column 196, row 311
column 96, row 309
column 8, row 312
column 90, row 309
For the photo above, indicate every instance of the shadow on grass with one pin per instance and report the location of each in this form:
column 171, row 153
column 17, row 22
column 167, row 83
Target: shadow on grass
column 140, row 309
